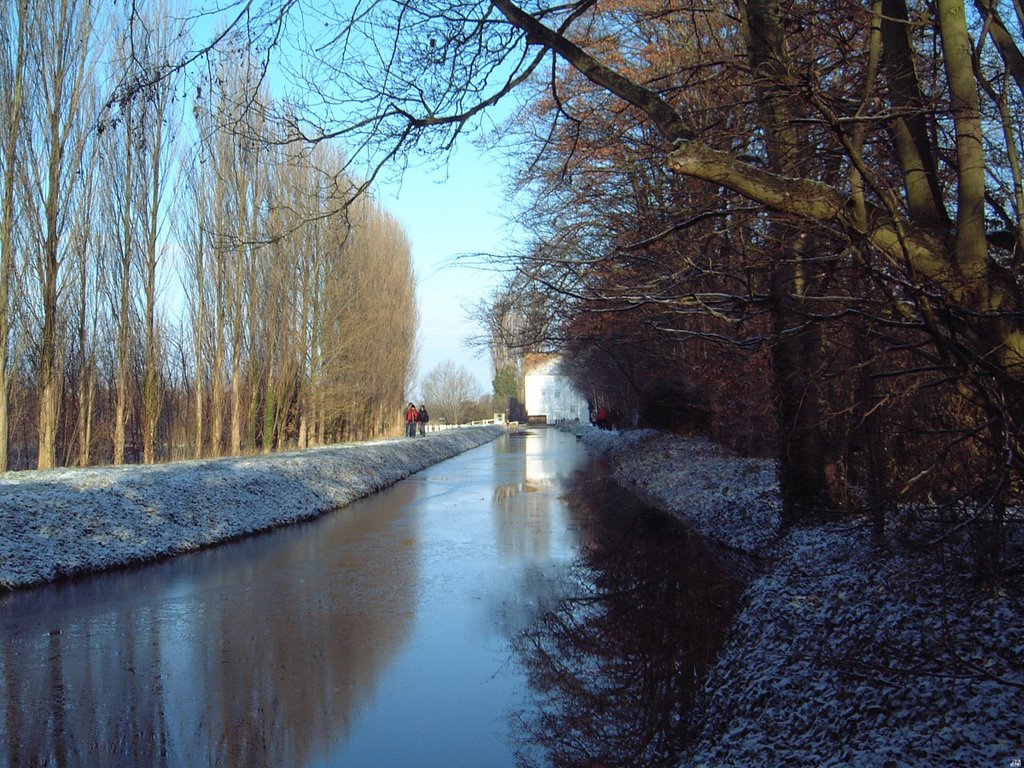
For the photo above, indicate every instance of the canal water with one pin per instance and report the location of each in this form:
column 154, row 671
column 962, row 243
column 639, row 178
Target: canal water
column 508, row 607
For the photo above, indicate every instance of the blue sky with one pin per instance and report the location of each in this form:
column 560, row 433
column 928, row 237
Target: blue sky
column 447, row 213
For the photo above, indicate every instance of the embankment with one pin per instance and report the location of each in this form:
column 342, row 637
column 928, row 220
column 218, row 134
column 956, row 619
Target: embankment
column 65, row 522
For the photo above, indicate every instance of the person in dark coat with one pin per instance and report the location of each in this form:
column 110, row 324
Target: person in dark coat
column 424, row 417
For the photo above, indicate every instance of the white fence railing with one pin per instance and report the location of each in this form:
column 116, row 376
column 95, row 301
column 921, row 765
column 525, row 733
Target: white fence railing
column 498, row 418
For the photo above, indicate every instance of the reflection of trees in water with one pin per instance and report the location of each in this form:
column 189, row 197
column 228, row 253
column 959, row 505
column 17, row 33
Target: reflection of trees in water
column 615, row 665
column 265, row 664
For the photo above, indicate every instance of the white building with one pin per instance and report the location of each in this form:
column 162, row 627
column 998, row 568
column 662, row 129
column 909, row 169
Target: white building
column 550, row 396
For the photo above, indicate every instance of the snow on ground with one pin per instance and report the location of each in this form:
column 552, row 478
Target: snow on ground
column 713, row 485
column 62, row 522
column 845, row 652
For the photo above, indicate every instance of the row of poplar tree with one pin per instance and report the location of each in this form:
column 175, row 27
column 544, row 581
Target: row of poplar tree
column 171, row 286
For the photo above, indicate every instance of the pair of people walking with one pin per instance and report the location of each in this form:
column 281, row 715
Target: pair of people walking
column 416, row 416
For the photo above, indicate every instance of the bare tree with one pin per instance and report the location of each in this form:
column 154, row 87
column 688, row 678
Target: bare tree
column 218, row 235
column 448, row 390
column 61, row 41
column 86, row 239
column 122, row 158
column 369, row 322
column 193, row 227
column 14, row 31
column 160, row 122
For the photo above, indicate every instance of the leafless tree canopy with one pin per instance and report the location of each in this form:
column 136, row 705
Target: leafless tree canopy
column 450, row 391
column 177, row 279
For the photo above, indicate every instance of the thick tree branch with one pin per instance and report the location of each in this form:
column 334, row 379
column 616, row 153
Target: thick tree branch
column 924, row 253
column 1004, row 41
column 910, row 128
column 971, row 245
column 650, row 103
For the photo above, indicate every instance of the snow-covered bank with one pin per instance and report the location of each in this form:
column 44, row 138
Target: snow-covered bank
column 732, row 501
column 62, row 522
column 844, row 652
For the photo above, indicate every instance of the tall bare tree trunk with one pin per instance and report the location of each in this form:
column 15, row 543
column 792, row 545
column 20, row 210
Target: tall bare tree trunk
column 83, row 366
column 156, row 43
column 14, row 99
column 86, row 396
column 125, row 294
column 972, row 256
column 217, row 368
column 47, row 428
column 314, row 401
column 304, row 358
column 90, row 407
column 66, row 40
column 86, row 342
column 151, row 382
column 270, row 405
column 237, row 327
column 796, row 351
column 971, row 240
column 200, row 330
column 48, row 384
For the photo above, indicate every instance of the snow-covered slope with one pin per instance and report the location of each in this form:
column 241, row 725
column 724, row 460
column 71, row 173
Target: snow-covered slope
column 62, row 522
column 846, row 651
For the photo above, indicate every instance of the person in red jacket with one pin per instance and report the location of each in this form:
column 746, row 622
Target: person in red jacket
column 412, row 415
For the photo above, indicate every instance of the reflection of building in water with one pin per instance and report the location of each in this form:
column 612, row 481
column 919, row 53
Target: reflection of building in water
column 253, row 654
column 550, row 396
column 523, row 517
column 523, row 510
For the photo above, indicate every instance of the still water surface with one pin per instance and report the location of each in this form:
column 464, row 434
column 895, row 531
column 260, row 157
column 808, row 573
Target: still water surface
column 506, row 607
